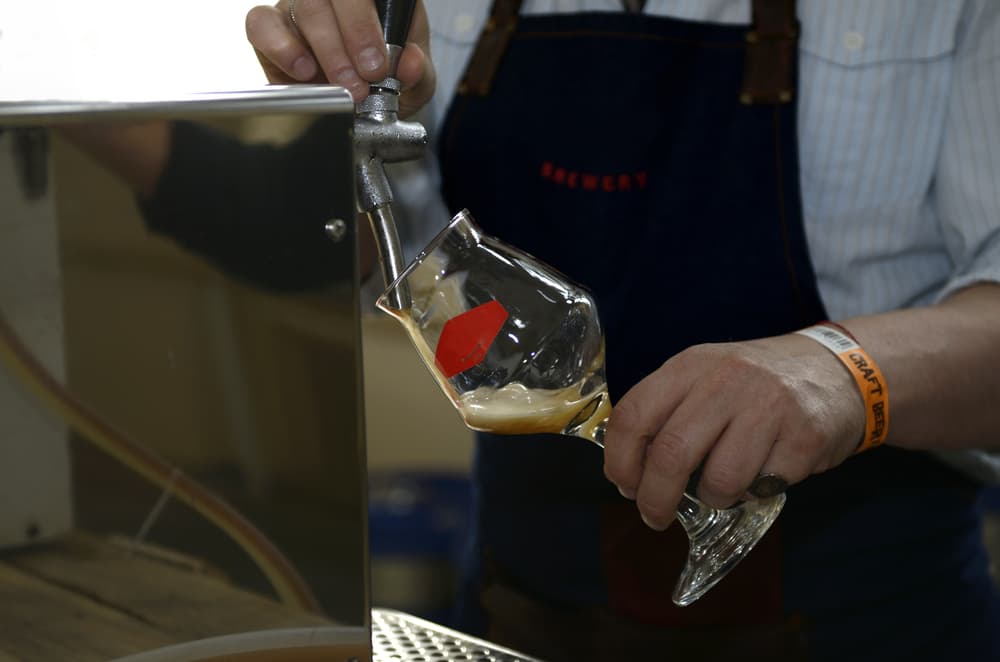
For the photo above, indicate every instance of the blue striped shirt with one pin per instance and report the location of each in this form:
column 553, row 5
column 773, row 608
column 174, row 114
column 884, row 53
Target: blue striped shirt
column 899, row 128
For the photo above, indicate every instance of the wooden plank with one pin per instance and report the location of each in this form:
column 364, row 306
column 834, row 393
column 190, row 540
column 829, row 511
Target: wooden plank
column 172, row 557
column 182, row 604
column 44, row 622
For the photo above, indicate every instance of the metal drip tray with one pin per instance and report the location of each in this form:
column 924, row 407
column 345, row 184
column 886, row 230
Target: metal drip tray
column 399, row 637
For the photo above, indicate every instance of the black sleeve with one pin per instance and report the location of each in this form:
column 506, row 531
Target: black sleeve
column 255, row 211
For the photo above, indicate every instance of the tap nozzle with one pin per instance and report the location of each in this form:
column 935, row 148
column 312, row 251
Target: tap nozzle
column 380, row 137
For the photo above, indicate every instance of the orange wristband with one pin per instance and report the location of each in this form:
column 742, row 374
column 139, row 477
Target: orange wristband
column 867, row 375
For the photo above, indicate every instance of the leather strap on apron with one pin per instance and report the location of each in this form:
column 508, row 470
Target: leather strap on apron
column 492, row 44
column 769, row 74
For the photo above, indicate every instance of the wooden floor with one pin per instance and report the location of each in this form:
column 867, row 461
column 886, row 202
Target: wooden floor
column 85, row 598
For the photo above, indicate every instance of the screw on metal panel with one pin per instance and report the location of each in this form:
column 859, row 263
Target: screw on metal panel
column 33, row 530
column 336, row 229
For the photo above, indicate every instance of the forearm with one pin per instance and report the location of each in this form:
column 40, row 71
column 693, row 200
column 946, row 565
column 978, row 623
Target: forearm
column 136, row 153
column 942, row 367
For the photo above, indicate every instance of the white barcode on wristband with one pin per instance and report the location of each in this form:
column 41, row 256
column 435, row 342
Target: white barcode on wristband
column 830, row 337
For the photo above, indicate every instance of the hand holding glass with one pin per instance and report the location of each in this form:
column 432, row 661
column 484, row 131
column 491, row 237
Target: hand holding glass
column 518, row 348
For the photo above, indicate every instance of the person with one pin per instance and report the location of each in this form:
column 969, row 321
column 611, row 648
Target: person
column 723, row 175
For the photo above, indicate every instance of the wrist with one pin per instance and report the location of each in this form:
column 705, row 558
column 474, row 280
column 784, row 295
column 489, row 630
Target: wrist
column 868, row 378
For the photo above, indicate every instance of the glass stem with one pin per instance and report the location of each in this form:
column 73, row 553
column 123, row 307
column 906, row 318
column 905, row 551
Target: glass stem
column 695, row 516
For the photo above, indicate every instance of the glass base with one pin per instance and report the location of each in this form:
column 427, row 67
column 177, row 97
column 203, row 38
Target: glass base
column 720, row 541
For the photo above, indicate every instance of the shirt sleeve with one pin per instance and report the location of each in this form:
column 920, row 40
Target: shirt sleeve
column 967, row 182
column 966, row 186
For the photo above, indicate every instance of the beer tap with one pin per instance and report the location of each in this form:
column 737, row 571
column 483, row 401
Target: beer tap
column 380, row 137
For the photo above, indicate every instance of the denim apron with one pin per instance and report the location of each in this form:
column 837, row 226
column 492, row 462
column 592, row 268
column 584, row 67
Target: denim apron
column 626, row 151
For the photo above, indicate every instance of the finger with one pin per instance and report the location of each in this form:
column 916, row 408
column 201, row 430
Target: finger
column 737, row 457
column 282, row 54
column 791, row 457
column 420, row 32
column 808, row 442
column 318, row 26
column 361, row 33
column 677, row 450
column 634, row 422
column 416, row 73
column 416, row 69
column 412, row 66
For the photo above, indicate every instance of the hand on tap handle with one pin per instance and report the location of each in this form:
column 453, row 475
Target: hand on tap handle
column 344, row 42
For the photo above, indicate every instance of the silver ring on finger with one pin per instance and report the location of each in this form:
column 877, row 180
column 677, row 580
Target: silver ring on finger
column 768, row 485
column 291, row 14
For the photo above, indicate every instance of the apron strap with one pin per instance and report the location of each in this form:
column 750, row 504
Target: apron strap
column 493, row 41
column 772, row 46
column 492, row 44
column 769, row 73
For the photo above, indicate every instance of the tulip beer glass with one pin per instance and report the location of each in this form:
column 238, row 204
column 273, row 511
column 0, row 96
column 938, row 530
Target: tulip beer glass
column 518, row 349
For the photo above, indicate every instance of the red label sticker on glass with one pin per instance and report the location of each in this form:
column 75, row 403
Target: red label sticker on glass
column 465, row 339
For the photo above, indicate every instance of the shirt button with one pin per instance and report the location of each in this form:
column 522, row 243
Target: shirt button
column 463, row 23
column 854, row 41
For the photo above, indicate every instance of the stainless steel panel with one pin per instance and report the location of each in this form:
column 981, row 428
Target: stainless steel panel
column 253, row 391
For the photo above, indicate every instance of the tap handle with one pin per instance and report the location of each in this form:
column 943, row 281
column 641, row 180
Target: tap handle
column 395, row 16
